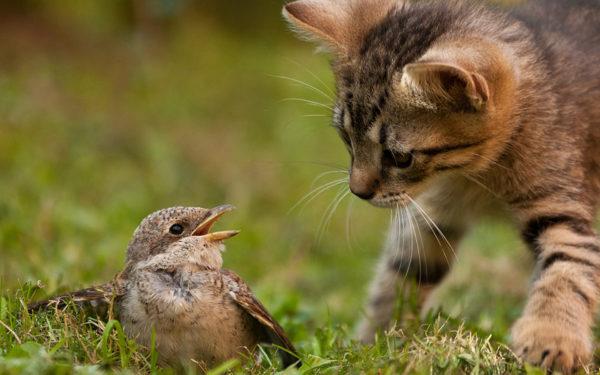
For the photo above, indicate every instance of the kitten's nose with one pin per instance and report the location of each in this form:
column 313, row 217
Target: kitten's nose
column 363, row 183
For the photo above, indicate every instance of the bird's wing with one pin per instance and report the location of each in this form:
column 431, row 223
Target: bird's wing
column 243, row 296
column 97, row 299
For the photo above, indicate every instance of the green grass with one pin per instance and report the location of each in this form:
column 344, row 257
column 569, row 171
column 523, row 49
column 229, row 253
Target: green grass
column 100, row 126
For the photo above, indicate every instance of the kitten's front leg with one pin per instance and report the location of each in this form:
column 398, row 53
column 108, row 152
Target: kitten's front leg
column 555, row 330
column 414, row 249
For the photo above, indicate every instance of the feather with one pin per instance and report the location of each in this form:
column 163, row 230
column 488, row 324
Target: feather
column 95, row 300
column 243, row 296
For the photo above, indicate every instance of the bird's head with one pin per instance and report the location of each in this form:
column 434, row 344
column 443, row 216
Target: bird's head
column 182, row 229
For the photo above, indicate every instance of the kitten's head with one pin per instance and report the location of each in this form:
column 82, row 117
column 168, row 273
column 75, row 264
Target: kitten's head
column 416, row 99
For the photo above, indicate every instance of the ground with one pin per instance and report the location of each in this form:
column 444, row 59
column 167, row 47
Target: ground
column 101, row 127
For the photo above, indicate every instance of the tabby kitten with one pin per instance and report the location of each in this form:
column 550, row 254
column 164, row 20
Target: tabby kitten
column 468, row 109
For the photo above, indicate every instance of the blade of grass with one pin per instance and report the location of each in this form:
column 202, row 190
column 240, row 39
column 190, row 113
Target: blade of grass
column 121, row 342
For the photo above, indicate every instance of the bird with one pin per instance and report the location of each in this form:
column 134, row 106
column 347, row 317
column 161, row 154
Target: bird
column 173, row 284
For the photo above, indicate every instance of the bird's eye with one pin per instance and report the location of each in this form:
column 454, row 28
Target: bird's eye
column 400, row 160
column 176, row 229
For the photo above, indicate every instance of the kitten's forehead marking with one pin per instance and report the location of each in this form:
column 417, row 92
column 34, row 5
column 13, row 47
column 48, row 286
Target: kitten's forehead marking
column 362, row 115
column 374, row 132
column 386, row 49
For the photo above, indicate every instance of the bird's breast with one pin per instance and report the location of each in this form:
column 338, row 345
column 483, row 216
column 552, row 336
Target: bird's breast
column 193, row 319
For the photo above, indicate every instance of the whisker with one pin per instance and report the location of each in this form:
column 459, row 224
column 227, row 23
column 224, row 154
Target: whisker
column 481, row 184
column 410, row 258
column 424, row 250
column 491, row 161
column 343, row 193
column 433, row 223
column 433, row 231
column 305, row 84
column 296, row 119
column 415, row 241
column 394, row 237
column 313, row 75
column 307, row 101
column 349, row 211
column 317, row 163
column 314, row 115
column 321, row 175
column 311, row 195
column 402, row 233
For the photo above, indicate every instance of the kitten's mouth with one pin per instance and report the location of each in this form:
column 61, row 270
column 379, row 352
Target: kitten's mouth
column 389, row 200
column 203, row 229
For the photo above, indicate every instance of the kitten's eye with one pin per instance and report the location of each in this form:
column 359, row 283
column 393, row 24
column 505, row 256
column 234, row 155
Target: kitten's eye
column 400, row 160
column 176, row 229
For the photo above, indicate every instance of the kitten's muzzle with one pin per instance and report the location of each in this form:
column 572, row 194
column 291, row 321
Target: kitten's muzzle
column 363, row 183
column 203, row 229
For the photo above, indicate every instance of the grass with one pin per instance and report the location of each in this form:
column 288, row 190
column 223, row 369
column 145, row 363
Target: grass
column 101, row 125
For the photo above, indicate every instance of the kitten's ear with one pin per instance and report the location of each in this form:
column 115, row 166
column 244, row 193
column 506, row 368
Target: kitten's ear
column 338, row 25
column 320, row 20
column 446, row 84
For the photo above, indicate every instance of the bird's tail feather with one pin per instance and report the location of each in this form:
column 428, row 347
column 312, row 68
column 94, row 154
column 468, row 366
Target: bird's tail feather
column 96, row 300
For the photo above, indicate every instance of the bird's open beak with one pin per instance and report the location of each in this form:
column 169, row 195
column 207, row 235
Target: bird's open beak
column 203, row 229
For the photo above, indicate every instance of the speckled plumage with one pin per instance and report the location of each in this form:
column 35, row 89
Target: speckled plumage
column 174, row 284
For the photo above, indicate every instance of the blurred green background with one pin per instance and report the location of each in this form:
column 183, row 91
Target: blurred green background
column 110, row 110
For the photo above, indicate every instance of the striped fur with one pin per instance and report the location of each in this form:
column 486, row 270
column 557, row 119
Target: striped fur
column 465, row 108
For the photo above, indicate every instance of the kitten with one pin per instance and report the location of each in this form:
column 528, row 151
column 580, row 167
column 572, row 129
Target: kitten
column 464, row 109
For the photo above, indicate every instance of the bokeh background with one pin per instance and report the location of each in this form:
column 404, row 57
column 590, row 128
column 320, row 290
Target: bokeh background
column 110, row 110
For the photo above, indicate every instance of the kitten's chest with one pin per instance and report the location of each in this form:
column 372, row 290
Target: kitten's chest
column 468, row 197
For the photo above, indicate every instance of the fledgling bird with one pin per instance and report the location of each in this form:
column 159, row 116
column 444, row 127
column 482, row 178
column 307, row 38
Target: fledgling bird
column 173, row 283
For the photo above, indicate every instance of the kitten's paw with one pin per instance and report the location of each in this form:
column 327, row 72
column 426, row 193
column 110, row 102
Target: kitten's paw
column 552, row 343
column 365, row 332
